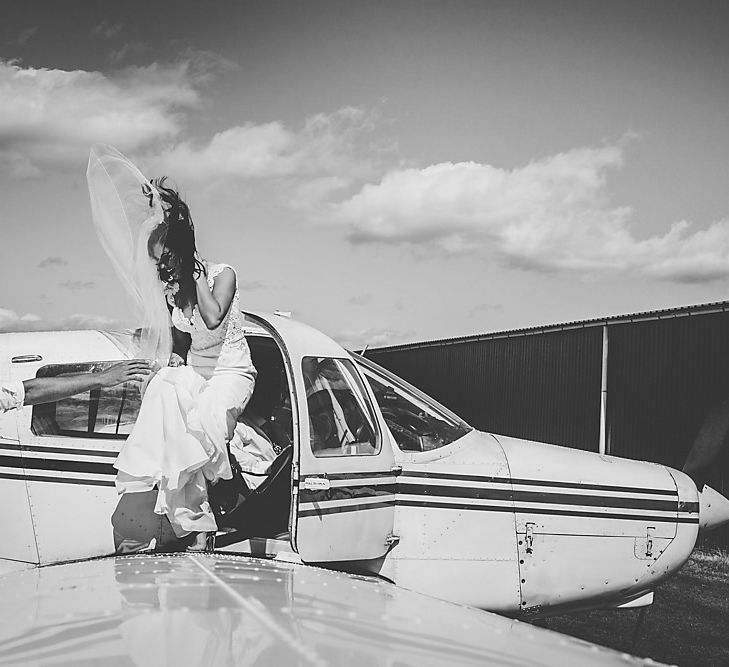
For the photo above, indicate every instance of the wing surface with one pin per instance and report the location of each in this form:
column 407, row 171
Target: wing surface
column 212, row 609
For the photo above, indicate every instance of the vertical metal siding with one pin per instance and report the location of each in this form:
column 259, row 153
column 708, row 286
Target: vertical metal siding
column 543, row 386
column 663, row 377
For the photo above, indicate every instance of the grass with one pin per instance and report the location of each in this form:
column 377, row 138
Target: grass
column 688, row 623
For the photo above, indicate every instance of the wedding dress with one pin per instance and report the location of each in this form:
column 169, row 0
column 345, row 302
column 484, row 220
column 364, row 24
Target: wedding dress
column 188, row 413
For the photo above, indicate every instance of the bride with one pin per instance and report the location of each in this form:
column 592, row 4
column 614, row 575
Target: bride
column 189, row 412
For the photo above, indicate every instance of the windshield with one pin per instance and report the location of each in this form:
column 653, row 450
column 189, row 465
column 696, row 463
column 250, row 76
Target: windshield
column 417, row 422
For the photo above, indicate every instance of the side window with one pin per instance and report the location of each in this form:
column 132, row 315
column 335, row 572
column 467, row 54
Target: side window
column 341, row 418
column 100, row 413
column 416, row 421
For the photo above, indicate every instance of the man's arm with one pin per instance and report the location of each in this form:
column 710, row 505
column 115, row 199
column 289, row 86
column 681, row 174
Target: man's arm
column 46, row 390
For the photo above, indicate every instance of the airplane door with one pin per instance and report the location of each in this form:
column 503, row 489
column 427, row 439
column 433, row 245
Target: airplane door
column 343, row 473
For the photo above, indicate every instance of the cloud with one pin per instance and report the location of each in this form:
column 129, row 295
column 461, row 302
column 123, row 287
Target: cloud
column 319, row 158
column 371, row 337
column 550, row 215
column 26, row 35
column 106, row 30
column 126, row 50
column 75, row 285
column 11, row 321
column 7, row 318
column 49, row 262
column 361, row 300
column 50, row 117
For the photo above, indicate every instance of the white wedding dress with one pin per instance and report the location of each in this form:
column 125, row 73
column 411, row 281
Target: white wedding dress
column 187, row 417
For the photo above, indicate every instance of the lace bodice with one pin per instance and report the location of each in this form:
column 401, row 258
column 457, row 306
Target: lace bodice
column 228, row 335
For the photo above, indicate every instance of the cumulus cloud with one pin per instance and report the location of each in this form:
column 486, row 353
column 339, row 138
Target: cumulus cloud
column 552, row 214
column 321, row 153
column 11, row 321
column 52, row 261
column 50, row 117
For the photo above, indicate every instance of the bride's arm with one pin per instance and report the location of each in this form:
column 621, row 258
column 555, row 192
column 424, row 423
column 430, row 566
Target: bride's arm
column 214, row 305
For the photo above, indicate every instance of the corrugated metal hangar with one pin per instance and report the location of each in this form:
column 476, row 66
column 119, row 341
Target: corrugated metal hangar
column 637, row 386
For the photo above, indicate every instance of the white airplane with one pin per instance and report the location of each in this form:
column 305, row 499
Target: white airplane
column 374, row 477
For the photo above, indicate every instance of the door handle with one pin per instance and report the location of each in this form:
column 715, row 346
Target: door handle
column 315, row 484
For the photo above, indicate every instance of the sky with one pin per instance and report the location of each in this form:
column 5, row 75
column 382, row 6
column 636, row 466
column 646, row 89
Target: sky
column 388, row 171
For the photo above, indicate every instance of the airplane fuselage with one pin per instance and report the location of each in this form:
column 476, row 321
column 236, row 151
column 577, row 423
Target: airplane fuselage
column 494, row 522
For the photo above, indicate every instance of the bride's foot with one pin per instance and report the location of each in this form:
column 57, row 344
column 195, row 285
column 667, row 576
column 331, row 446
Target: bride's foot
column 203, row 542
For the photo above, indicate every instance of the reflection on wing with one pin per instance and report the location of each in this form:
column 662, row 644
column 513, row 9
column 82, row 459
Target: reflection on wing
column 230, row 610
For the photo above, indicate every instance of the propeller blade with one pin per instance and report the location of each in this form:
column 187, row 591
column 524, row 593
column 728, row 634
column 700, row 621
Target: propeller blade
column 708, row 444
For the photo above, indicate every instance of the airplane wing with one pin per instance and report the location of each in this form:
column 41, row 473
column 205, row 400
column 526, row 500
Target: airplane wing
column 213, row 609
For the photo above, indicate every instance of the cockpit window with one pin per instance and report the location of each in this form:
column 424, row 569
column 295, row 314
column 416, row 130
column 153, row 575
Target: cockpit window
column 341, row 418
column 100, row 413
column 416, row 421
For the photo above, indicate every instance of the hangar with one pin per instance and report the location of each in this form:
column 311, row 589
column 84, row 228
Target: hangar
column 636, row 386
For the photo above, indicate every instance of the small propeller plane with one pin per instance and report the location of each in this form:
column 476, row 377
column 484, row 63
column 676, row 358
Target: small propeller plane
column 373, row 478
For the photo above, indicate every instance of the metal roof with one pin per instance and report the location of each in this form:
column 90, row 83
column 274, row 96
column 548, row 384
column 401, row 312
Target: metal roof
column 668, row 313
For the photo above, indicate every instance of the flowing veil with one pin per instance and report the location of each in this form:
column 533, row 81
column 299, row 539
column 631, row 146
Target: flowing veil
column 125, row 208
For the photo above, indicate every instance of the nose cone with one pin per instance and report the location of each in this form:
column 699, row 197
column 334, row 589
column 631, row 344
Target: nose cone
column 713, row 509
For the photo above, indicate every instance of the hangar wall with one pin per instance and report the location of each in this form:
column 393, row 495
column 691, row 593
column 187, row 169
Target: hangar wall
column 663, row 369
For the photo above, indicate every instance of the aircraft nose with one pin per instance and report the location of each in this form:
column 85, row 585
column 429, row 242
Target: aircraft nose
column 713, row 509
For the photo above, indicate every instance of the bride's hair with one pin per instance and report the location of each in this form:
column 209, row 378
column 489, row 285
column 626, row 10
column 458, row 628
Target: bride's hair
column 176, row 233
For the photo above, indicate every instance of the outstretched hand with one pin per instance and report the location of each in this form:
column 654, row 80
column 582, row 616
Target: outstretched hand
column 134, row 370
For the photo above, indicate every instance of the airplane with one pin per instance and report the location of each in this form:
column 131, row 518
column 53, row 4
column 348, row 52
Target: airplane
column 373, row 478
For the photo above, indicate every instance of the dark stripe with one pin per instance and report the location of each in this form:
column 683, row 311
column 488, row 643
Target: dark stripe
column 339, row 492
column 62, row 480
column 339, row 509
column 534, row 482
column 536, row 496
column 545, row 510
column 57, row 464
column 596, row 501
column 371, row 490
column 57, row 450
column 692, row 508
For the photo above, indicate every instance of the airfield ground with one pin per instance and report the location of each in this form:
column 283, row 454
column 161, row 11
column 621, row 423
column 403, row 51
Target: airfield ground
column 687, row 625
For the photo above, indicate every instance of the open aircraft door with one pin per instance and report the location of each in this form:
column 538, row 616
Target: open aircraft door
column 344, row 469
